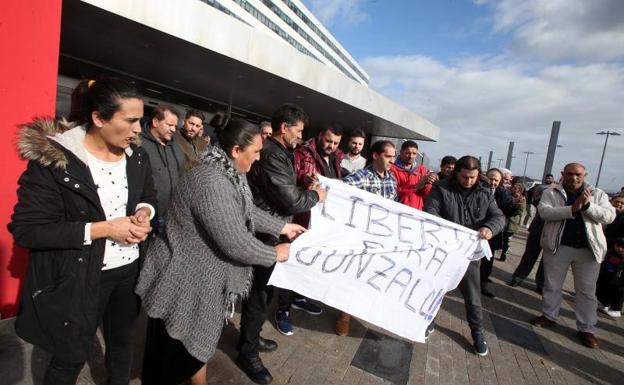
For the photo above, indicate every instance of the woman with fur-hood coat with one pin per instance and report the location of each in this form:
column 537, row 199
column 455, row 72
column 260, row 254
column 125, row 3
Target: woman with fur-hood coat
column 84, row 204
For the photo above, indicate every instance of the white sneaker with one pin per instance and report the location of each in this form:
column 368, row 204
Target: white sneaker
column 603, row 309
column 614, row 313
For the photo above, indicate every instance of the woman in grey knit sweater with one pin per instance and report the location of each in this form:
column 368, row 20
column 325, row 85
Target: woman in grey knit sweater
column 195, row 270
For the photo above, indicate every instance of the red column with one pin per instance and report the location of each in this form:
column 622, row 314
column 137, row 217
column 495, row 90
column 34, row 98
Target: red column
column 29, row 41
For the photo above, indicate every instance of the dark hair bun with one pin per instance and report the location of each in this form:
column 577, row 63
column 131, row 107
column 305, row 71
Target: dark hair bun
column 219, row 121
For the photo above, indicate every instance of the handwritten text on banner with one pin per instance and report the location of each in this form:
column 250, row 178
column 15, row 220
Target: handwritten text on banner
column 378, row 260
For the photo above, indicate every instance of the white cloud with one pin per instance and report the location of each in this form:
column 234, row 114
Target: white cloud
column 563, row 61
column 330, row 12
column 584, row 30
column 483, row 103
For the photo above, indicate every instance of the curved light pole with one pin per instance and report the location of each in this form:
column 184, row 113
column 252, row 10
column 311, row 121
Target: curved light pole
column 526, row 162
column 604, row 149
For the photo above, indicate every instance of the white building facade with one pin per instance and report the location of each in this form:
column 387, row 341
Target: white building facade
column 242, row 57
column 292, row 22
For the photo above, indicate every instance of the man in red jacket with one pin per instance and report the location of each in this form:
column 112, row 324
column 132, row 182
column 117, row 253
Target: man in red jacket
column 319, row 155
column 413, row 181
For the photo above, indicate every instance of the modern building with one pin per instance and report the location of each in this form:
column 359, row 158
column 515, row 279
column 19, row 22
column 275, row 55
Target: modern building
column 245, row 57
column 292, row 22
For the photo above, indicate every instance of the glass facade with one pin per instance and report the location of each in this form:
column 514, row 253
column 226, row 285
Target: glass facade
column 215, row 4
column 319, row 33
column 257, row 14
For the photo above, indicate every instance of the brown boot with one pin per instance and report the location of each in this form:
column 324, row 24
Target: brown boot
column 588, row 339
column 543, row 322
column 342, row 324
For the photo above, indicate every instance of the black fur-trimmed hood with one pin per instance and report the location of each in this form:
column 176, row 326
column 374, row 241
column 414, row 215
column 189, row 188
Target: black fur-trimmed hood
column 42, row 139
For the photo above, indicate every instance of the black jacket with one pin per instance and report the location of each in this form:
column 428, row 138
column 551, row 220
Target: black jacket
column 504, row 201
column 167, row 164
column 477, row 209
column 273, row 182
column 56, row 198
column 615, row 229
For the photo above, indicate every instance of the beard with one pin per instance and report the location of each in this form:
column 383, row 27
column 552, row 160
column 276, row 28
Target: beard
column 293, row 145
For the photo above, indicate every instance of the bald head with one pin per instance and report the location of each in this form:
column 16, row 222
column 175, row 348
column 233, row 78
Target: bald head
column 573, row 176
column 573, row 165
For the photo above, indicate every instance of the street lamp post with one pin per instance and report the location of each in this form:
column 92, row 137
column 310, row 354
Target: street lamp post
column 604, row 149
column 526, row 162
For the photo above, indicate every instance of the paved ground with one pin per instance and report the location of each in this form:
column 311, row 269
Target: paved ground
column 519, row 353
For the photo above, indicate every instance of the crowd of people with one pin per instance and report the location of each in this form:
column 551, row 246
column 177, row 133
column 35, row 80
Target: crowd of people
column 119, row 216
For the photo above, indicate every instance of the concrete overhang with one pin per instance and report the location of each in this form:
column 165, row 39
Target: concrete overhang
column 190, row 47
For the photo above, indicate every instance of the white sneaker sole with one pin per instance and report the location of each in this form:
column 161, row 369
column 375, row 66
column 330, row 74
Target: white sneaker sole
column 294, row 306
column 290, row 333
column 482, row 354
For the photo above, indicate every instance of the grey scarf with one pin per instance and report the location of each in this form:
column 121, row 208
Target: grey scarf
column 216, row 157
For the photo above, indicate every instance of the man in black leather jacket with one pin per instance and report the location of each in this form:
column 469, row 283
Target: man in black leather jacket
column 273, row 183
column 463, row 200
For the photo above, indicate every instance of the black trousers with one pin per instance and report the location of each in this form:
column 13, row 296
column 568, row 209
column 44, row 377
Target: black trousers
column 254, row 310
column 487, row 265
column 531, row 253
column 166, row 360
column 485, row 270
column 609, row 294
column 470, row 288
column 506, row 240
column 118, row 309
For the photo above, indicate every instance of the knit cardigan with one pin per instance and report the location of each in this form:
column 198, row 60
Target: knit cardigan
column 196, row 268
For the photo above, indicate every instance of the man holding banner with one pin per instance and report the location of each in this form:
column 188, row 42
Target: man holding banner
column 376, row 259
column 462, row 200
column 272, row 182
column 376, row 179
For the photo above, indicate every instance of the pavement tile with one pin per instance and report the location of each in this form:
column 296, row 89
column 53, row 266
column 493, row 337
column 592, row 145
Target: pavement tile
column 519, row 353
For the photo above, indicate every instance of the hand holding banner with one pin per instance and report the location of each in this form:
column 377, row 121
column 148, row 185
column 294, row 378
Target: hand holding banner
column 378, row 260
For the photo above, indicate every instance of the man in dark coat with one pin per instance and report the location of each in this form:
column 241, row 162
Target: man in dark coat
column 447, row 164
column 166, row 157
column 189, row 138
column 273, row 183
column 504, row 200
column 319, row 155
column 533, row 249
column 463, row 200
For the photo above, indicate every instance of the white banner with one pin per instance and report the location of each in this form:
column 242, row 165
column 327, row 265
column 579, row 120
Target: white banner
column 378, row 260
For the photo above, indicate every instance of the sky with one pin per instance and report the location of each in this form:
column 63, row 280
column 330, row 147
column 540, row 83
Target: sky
column 489, row 72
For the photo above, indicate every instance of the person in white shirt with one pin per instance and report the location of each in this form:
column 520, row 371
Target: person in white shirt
column 84, row 205
column 353, row 160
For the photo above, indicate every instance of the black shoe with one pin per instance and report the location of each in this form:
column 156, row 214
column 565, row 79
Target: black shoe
column 265, row 345
column 514, row 282
column 486, row 292
column 307, row 306
column 430, row 330
column 254, row 369
column 479, row 344
column 503, row 257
